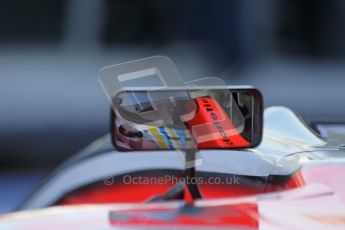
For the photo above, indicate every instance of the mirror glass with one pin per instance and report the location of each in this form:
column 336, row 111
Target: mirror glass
column 161, row 119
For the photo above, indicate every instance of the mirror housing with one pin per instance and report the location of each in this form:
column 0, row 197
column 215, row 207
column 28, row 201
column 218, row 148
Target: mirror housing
column 186, row 118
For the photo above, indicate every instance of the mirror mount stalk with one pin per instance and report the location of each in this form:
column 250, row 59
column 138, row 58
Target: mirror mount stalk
column 190, row 175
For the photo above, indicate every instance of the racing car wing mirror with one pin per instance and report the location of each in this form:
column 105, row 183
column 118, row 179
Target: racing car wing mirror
column 186, row 118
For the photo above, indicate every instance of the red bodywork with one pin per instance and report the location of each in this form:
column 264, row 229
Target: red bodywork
column 240, row 214
column 211, row 127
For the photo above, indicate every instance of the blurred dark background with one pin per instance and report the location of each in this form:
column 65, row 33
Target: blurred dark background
column 51, row 51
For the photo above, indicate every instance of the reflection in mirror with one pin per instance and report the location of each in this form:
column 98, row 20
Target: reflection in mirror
column 187, row 118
